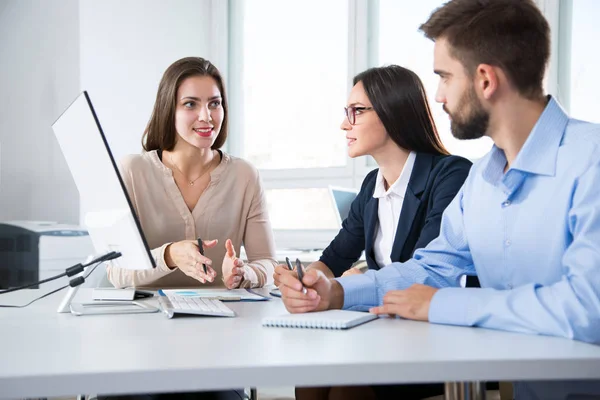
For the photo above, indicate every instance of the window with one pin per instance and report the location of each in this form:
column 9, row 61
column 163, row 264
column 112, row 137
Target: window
column 294, row 83
column 584, row 63
column 400, row 42
column 290, row 71
column 288, row 106
column 284, row 213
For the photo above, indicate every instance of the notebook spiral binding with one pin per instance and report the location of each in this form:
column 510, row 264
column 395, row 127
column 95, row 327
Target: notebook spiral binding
column 305, row 324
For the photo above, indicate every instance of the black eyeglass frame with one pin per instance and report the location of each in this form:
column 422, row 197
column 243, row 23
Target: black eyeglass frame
column 351, row 112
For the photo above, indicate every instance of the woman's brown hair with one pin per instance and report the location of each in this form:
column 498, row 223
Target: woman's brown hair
column 160, row 134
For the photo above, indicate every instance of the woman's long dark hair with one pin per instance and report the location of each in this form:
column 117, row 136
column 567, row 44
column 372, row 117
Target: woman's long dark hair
column 399, row 99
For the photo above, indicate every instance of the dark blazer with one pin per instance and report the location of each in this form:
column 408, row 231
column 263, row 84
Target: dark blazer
column 434, row 182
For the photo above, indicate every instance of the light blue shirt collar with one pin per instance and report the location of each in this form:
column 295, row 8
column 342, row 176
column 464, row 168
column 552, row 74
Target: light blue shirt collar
column 539, row 153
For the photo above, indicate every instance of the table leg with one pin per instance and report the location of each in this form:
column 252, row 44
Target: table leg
column 253, row 394
column 464, row 391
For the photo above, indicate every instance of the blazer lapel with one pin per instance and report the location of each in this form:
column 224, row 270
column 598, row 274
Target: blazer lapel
column 412, row 201
column 371, row 217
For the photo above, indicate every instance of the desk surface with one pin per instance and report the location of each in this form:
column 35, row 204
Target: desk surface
column 49, row 354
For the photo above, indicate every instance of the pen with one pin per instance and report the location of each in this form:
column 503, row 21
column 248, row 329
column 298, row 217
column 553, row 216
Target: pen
column 300, row 274
column 202, row 252
column 289, row 264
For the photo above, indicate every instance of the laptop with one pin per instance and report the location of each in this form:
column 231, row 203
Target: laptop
column 342, row 199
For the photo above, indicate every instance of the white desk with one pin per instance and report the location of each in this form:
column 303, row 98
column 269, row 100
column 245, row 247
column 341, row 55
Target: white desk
column 48, row 354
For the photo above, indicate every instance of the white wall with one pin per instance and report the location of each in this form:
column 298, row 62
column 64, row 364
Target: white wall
column 125, row 48
column 39, row 77
column 551, row 10
column 50, row 51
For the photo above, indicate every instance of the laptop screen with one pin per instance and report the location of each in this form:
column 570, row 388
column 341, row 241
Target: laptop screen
column 342, row 200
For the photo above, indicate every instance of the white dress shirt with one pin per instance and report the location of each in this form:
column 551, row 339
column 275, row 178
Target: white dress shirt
column 390, row 205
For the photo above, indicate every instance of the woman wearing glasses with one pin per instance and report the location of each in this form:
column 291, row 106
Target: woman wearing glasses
column 400, row 204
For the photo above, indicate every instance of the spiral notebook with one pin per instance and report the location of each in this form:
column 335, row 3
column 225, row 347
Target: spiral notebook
column 330, row 319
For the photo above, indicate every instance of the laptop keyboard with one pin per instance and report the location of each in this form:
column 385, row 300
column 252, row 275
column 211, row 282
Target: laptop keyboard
column 172, row 303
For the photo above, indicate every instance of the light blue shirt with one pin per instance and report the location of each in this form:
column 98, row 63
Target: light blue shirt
column 532, row 235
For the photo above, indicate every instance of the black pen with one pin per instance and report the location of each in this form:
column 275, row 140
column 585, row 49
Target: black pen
column 300, row 274
column 289, row 264
column 202, row 252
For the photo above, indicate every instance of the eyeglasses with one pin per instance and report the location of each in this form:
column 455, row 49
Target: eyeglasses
column 352, row 111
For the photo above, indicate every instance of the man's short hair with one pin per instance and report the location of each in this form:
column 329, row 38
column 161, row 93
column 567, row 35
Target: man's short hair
column 510, row 34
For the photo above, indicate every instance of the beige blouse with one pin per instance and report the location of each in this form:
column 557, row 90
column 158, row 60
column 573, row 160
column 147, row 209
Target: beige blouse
column 233, row 206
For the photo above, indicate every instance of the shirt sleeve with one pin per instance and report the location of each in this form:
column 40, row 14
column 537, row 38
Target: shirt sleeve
column 568, row 308
column 440, row 264
column 258, row 242
column 123, row 277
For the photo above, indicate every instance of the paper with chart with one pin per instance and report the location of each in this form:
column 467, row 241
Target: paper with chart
column 219, row 294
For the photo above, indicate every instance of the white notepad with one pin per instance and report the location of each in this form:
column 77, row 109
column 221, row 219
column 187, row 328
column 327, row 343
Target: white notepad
column 330, row 319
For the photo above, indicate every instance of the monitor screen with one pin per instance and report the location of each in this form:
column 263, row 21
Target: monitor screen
column 342, row 200
column 108, row 213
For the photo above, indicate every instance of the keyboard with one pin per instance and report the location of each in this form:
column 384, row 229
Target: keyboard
column 172, row 304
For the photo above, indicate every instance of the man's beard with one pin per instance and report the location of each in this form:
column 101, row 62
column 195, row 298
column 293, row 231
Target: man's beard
column 476, row 124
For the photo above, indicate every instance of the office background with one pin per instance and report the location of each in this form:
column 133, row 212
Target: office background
column 288, row 69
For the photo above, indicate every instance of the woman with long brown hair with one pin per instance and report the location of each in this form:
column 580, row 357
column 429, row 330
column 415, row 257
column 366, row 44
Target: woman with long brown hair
column 184, row 187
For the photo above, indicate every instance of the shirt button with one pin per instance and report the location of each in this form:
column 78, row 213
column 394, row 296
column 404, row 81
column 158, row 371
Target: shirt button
column 506, row 203
column 507, row 243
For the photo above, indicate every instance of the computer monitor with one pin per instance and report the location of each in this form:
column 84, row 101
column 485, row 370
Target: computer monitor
column 108, row 214
column 342, row 199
